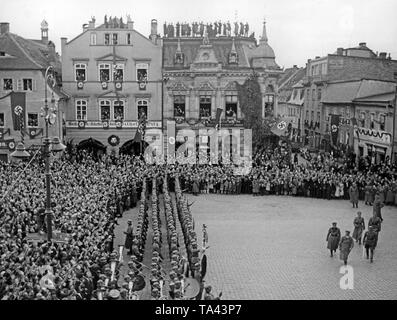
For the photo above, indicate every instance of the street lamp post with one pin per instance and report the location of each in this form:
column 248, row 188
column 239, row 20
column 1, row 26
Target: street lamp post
column 57, row 147
column 47, row 143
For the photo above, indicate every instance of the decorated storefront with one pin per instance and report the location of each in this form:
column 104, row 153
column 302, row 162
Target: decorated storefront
column 373, row 143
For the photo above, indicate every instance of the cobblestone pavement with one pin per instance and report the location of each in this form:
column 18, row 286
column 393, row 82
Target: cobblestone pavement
column 273, row 247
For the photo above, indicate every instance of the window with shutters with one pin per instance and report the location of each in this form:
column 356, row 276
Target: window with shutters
column 142, row 72
column 372, row 120
column 104, row 72
column 115, row 38
column 382, row 121
column 205, row 107
column 7, row 84
column 269, row 105
column 142, row 106
column 362, row 119
column 118, row 110
column 104, row 106
column 231, row 107
column 1, row 119
column 27, row 84
column 107, row 39
column 80, row 72
column 118, row 72
column 179, row 106
column 33, row 120
column 81, row 109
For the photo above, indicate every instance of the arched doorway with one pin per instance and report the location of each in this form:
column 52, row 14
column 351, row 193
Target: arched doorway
column 133, row 148
column 93, row 146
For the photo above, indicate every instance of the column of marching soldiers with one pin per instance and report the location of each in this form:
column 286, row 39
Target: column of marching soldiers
column 184, row 279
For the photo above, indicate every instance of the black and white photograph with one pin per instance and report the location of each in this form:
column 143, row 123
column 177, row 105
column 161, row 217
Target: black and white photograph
column 198, row 150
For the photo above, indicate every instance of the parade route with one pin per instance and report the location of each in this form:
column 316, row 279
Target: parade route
column 273, row 247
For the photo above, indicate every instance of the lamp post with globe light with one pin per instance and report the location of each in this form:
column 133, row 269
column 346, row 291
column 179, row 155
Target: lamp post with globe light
column 57, row 146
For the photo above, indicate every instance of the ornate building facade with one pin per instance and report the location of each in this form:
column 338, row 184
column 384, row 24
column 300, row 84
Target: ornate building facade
column 201, row 71
column 113, row 75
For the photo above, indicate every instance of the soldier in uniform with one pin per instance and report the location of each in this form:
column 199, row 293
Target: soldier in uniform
column 353, row 193
column 370, row 241
column 359, row 227
column 375, row 222
column 129, row 237
column 345, row 246
column 333, row 238
column 377, row 206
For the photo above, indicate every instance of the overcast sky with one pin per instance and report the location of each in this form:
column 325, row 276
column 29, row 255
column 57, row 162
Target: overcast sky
column 297, row 29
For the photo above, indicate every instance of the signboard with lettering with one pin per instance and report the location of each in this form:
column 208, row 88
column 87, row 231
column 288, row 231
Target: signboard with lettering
column 111, row 124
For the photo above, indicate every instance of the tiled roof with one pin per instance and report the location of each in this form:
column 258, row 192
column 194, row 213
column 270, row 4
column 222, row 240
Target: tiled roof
column 371, row 90
column 190, row 48
column 221, row 47
column 26, row 54
column 343, row 92
column 291, row 77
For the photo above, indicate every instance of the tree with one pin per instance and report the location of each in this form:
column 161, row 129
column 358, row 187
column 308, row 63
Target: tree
column 250, row 98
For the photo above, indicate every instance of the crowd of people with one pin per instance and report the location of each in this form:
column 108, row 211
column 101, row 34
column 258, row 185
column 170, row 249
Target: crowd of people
column 87, row 198
column 197, row 29
column 88, row 195
column 276, row 172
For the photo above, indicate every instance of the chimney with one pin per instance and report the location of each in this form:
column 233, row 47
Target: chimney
column 317, row 57
column 63, row 45
column 382, row 55
column 91, row 24
column 295, row 66
column 130, row 23
column 362, row 44
column 85, row 27
column 4, row 27
column 339, row 51
column 153, row 32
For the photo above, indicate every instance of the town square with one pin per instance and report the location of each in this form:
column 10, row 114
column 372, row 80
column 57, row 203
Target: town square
column 170, row 152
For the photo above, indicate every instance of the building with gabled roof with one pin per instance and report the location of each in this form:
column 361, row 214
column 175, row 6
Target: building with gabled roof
column 23, row 63
column 113, row 75
column 371, row 103
column 346, row 65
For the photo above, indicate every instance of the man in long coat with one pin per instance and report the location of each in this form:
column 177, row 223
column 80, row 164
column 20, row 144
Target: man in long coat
column 375, row 222
column 129, row 237
column 345, row 246
column 370, row 241
column 377, row 206
column 359, row 227
column 333, row 237
column 353, row 193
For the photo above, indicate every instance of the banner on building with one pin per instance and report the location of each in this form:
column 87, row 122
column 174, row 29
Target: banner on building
column 335, row 119
column 218, row 118
column 33, row 133
column 280, row 128
column 140, row 132
column 171, row 134
column 18, row 109
column 7, row 144
column 355, row 126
